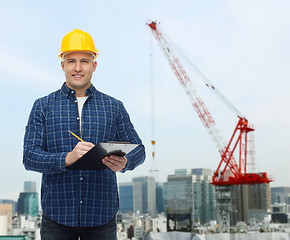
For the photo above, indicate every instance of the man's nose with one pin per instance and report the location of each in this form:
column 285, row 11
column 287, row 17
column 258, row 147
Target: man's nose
column 78, row 67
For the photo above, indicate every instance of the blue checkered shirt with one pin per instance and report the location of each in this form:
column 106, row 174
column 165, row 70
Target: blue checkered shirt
column 84, row 198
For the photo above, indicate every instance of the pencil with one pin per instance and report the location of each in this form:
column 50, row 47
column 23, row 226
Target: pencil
column 76, row 136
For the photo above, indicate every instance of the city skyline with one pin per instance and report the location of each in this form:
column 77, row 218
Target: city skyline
column 242, row 46
column 131, row 182
column 201, row 220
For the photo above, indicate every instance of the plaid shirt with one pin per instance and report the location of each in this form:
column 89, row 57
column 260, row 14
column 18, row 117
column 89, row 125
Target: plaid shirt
column 80, row 197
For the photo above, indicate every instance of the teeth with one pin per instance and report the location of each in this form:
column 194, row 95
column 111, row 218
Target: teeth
column 77, row 75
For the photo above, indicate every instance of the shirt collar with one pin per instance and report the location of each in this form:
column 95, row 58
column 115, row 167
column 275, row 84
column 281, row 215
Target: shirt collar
column 70, row 92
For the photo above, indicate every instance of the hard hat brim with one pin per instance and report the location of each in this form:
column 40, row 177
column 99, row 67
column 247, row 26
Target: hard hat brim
column 62, row 54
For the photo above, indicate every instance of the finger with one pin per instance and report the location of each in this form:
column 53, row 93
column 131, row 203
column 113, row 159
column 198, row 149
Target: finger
column 80, row 153
column 110, row 165
column 89, row 144
column 86, row 144
column 84, row 147
column 113, row 164
column 117, row 158
column 111, row 161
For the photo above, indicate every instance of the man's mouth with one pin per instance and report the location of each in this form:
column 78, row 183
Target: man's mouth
column 77, row 76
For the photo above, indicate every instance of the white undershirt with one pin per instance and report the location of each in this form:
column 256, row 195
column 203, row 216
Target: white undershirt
column 81, row 101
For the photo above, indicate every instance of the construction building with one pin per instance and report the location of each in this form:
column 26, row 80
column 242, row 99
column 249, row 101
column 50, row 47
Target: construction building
column 250, row 203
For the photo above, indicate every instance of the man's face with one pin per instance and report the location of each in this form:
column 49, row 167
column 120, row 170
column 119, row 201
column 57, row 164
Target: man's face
column 78, row 68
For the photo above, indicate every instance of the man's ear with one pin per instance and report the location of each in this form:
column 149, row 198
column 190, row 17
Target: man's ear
column 62, row 65
column 95, row 65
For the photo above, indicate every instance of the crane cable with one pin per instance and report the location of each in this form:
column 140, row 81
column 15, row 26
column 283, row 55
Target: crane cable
column 201, row 76
column 152, row 99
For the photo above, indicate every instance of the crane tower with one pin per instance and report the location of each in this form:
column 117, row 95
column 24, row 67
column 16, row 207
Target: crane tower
column 229, row 171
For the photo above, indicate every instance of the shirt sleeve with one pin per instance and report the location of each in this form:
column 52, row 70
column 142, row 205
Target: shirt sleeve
column 127, row 133
column 35, row 156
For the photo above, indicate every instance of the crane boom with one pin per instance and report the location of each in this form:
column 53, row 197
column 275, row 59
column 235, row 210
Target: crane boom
column 238, row 172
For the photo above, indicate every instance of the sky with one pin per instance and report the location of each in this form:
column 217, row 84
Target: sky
column 242, row 46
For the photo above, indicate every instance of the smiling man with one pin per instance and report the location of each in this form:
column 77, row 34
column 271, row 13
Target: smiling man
column 78, row 203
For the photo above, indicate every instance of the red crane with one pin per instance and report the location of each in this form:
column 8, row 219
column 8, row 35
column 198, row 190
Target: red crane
column 229, row 172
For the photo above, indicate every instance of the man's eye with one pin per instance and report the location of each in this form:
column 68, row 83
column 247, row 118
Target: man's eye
column 70, row 61
column 85, row 61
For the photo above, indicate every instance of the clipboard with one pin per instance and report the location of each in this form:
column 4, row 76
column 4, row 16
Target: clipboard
column 92, row 160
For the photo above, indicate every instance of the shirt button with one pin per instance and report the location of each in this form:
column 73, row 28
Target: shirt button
column 76, row 101
column 81, row 178
column 81, row 202
column 72, row 91
column 78, row 118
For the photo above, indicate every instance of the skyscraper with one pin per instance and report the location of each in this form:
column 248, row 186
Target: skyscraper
column 28, row 204
column 130, row 195
column 189, row 190
column 28, row 200
column 29, row 186
column 148, row 194
column 160, row 197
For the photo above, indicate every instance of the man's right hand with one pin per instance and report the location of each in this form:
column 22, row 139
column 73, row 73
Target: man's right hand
column 79, row 150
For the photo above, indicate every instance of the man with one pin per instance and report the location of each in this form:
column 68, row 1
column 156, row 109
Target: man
column 78, row 203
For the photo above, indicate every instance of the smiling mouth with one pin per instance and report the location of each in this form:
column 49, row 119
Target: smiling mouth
column 77, row 76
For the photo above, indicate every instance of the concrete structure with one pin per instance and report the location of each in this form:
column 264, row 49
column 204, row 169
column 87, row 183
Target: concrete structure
column 280, row 213
column 3, row 225
column 13, row 203
column 280, row 195
column 189, row 190
column 6, row 210
column 219, row 236
column 250, row 202
column 26, row 225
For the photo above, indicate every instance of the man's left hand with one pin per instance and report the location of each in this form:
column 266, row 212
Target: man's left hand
column 115, row 163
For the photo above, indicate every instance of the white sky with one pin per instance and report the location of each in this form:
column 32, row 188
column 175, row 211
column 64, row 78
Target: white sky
column 241, row 45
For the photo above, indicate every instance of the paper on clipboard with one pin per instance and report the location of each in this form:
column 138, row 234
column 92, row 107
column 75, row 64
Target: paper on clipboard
column 116, row 148
column 92, row 160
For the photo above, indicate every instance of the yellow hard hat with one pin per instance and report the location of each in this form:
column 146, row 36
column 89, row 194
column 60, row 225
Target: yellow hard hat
column 77, row 40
